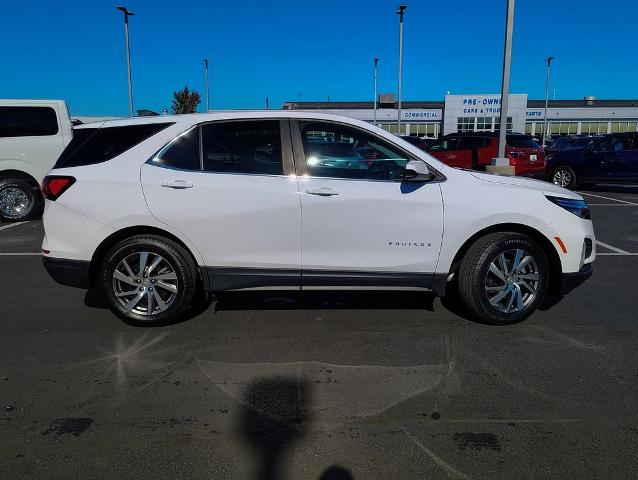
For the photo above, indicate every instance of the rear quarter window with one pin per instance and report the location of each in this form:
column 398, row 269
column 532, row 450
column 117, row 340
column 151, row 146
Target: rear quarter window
column 28, row 121
column 522, row 142
column 96, row 145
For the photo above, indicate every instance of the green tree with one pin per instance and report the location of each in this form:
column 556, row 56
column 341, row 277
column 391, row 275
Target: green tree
column 185, row 101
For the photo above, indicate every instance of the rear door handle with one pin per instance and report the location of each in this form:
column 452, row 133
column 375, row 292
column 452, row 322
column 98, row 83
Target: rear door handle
column 322, row 192
column 177, row 184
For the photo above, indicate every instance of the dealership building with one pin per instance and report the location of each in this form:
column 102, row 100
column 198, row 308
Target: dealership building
column 481, row 113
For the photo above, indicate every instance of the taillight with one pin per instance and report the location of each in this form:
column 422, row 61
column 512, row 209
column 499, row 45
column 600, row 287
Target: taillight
column 55, row 185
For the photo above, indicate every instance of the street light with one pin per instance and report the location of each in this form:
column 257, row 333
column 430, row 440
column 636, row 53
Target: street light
column 376, row 62
column 127, row 13
column 400, row 12
column 545, row 123
column 206, row 82
column 507, row 60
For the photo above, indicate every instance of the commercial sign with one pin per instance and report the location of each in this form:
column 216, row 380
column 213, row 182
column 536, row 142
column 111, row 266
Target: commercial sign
column 421, row 115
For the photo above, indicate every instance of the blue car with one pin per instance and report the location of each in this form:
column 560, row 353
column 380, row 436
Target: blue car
column 610, row 159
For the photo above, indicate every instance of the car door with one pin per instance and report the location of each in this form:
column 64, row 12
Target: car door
column 362, row 225
column 598, row 160
column 625, row 165
column 227, row 186
column 447, row 150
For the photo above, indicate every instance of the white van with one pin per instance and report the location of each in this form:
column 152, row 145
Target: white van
column 33, row 133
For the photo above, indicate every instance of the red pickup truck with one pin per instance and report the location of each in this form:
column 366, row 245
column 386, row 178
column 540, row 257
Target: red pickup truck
column 477, row 149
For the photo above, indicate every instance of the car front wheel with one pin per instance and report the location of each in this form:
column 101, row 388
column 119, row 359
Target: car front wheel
column 503, row 278
column 563, row 177
column 148, row 280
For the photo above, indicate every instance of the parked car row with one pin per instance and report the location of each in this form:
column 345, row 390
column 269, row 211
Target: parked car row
column 573, row 161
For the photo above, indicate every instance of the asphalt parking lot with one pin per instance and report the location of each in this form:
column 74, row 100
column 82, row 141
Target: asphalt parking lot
column 325, row 386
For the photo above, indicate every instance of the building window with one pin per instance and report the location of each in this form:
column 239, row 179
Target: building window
column 466, row 124
column 593, row 128
column 484, row 124
column 528, row 127
column 497, row 123
column 624, row 126
column 564, row 128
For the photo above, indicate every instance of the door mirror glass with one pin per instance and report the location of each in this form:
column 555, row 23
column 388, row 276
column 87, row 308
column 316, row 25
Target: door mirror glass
column 417, row 171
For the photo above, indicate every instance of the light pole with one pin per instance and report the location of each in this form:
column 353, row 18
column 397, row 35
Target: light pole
column 545, row 123
column 127, row 13
column 507, row 60
column 376, row 63
column 400, row 13
column 206, row 83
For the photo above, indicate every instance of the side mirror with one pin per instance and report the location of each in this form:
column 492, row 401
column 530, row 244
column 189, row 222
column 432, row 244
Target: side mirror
column 417, row 171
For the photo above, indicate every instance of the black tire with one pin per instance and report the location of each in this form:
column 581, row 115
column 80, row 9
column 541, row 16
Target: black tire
column 177, row 259
column 473, row 277
column 568, row 172
column 27, row 205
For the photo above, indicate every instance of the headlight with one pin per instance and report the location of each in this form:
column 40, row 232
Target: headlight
column 577, row 207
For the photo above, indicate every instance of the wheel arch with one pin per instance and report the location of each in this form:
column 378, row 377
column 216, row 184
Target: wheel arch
column 12, row 173
column 555, row 267
column 127, row 232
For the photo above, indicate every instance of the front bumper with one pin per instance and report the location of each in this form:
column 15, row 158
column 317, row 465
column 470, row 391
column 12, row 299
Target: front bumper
column 72, row 273
column 571, row 280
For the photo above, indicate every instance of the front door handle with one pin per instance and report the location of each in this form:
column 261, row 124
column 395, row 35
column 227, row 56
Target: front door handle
column 177, row 184
column 322, row 192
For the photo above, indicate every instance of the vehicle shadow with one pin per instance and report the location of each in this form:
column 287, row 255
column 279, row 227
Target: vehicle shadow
column 274, row 416
column 93, row 298
column 272, row 300
column 609, row 188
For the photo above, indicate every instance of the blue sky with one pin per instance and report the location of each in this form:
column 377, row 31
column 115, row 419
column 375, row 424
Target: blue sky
column 74, row 50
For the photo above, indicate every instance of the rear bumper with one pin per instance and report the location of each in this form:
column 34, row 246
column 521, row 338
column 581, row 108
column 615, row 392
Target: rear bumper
column 73, row 273
column 571, row 280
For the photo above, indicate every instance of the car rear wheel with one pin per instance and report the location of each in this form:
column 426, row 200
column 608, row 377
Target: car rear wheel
column 503, row 278
column 148, row 280
column 563, row 177
column 18, row 200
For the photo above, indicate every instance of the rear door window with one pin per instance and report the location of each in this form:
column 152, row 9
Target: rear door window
column 252, row 147
column 95, row 145
column 27, row 121
column 182, row 152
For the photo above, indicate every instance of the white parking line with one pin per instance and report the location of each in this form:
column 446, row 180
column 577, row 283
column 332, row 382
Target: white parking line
column 615, row 254
column 612, row 248
column 11, row 225
column 21, row 254
column 609, row 198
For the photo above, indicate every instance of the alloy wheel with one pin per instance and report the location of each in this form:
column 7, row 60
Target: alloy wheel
column 14, row 203
column 145, row 283
column 512, row 281
column 562, row 177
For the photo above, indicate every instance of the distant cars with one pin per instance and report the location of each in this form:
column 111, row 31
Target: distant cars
column 476, row 150
column 421, row 142
column 612, row 158
column 559, row 143
column 33, row 133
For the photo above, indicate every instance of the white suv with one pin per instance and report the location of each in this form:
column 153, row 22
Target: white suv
column 154, row 211
column 33, row 133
